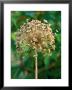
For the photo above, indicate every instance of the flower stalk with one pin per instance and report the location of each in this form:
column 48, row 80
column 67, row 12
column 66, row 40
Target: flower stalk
column 36, row 65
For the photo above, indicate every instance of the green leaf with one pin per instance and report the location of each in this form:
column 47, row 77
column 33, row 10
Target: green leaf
column 46, row 60
column 28, row 62
column 40, row 59
column 13, row 36
column 15, row 71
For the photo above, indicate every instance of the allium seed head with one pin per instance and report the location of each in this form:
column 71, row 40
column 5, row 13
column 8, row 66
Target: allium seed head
column 36, row 34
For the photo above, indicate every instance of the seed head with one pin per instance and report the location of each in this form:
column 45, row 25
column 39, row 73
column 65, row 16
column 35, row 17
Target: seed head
column 37, row 35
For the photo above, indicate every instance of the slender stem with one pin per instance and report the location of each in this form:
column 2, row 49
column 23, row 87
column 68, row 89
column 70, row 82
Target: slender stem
column 36, row 69
column 36, row 65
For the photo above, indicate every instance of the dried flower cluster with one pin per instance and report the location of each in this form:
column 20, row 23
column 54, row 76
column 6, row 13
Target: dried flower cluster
column 37, row 35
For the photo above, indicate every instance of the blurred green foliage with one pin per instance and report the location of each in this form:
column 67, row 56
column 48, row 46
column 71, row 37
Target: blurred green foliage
column 49, row 67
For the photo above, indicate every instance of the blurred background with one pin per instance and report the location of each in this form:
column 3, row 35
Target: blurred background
column 49, row 67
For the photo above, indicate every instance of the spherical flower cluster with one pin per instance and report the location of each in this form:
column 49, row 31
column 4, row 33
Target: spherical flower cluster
column 37, row 35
